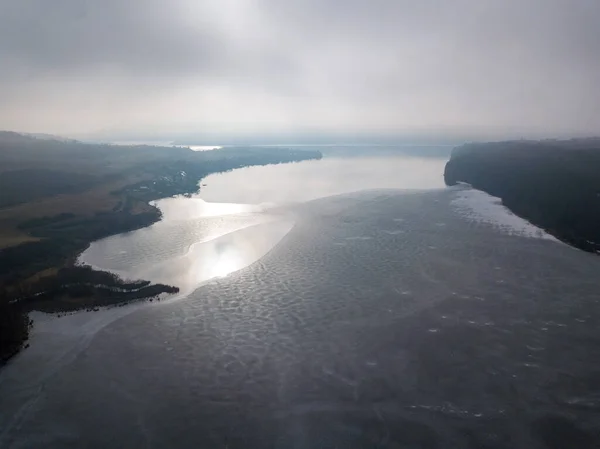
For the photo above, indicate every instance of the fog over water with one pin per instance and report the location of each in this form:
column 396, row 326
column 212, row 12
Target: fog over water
column 348, row 302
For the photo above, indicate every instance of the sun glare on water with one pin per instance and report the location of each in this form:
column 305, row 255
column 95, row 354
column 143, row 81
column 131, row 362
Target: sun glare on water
column 226, row 262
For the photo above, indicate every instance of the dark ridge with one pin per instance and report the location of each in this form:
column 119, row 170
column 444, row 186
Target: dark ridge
column 553, row 184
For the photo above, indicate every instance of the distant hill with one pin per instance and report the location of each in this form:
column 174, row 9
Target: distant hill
column 49, row 137
column 555, row 184
column 40, row 136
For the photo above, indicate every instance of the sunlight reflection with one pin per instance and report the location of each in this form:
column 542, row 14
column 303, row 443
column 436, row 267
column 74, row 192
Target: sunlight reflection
column 203, row 148
column 181, row 208
column 228, row 261
column 216, row 258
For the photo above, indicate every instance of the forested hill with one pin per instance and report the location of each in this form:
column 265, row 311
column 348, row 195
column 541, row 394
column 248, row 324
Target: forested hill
column 554, row 184
column 53, row 189
column 32, row 168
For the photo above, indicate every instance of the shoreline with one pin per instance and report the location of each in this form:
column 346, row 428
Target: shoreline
column 57, row 293
column 551, row 184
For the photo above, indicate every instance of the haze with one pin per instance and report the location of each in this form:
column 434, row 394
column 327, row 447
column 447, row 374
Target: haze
column 116, row 69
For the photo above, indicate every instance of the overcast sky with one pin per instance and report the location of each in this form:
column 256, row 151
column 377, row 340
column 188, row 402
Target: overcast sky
column 513, row 67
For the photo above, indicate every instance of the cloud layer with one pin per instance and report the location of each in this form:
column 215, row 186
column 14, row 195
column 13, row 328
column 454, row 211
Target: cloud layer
column 510, row 67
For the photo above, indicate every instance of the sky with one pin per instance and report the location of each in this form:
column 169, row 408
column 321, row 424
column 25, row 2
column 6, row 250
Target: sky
column 156, row 68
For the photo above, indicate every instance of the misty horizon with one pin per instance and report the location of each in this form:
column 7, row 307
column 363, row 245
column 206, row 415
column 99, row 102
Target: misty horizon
column 302, row 139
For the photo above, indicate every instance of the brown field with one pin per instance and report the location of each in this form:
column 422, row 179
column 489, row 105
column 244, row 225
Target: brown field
column 13, row 237
column 99, row 199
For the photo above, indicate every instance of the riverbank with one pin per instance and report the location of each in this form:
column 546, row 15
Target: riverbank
column 71, row 289
column 41, row 273
column 552, row 184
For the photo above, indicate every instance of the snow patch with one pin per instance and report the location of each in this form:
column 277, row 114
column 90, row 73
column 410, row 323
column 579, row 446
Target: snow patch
column 480, row 207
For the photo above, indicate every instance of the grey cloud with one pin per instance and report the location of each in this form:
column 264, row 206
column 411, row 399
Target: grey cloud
column 71, row 34
column 141, row 38
column 493, row 66
column 529, row 62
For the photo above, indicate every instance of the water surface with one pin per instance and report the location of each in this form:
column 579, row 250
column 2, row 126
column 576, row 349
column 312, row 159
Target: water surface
column 382, row 318
column 244, row 213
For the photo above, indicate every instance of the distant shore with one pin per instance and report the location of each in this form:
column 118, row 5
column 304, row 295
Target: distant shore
column 43, row 274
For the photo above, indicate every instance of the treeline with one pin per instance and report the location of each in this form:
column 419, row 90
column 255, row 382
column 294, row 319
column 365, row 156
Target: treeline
column 14, row 329
column 553, row 184
column 97, row 288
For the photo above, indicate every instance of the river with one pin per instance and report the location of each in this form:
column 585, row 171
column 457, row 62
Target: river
column 348, row 302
